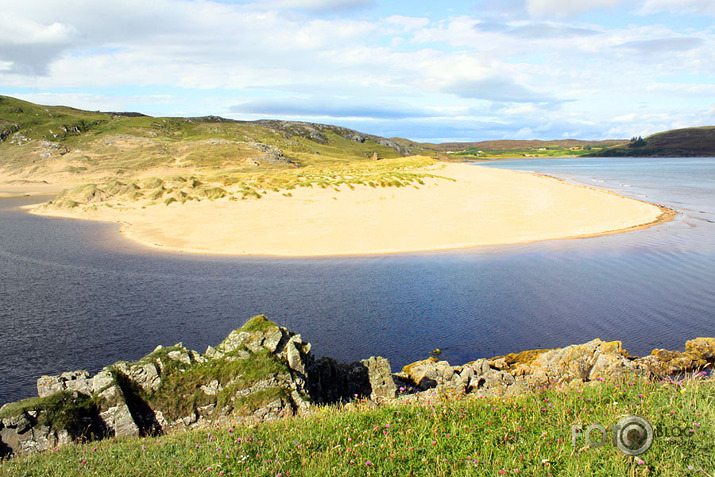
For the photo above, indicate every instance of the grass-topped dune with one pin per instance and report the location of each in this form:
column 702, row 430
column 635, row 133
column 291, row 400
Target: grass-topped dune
column 260, row 403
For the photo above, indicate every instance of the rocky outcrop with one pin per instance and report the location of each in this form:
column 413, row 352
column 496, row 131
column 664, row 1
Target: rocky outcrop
column 332, row 382
column 523, row 372
column 262, row 371
column 319, row 133
column 6, row 129
column 257, row 373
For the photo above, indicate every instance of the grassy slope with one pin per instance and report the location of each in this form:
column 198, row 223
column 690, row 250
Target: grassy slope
column 688, row 142
column 128, row 157
column 528, row 435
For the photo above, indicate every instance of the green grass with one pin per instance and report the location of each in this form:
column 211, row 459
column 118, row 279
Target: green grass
column 528, row 435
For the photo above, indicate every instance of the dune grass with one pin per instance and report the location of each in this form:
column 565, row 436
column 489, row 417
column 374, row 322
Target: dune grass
column 241, row 184
column 439, row 436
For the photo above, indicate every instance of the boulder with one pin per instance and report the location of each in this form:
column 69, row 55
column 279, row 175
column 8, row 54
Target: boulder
column 429, row 373
column 379, row 375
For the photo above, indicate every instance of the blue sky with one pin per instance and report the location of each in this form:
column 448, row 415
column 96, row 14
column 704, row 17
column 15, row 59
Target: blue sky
column 425, row 70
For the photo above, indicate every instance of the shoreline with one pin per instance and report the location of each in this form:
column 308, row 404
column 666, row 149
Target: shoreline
column 468, row 207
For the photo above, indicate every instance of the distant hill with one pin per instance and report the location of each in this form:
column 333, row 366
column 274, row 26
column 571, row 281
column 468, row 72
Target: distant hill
column 687, row 142
column 462, row 151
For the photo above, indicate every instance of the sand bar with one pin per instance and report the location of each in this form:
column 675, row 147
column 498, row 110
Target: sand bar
column 470, row 206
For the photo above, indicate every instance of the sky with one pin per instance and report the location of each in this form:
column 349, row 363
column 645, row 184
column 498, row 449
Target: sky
column 465, row 70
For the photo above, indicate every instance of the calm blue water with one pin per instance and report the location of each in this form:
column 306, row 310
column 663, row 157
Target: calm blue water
column 75, row 295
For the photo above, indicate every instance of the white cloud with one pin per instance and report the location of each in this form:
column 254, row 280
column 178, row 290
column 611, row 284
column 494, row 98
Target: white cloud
column 407, row 24
column 565, row 8
column 323, row 5
column 329, row 108
column 463, row 71
column 697, row 7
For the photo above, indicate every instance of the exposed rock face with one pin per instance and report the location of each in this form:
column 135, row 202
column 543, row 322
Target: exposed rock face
column 263, row 371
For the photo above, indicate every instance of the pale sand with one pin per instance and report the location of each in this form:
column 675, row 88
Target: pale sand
column 482, row 206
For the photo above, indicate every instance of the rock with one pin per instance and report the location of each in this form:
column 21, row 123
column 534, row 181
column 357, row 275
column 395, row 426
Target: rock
column 182, row 356
column 102, row 381
column 294, row 352
column 275, row 341
column 499, row 364
column 212, row 388
column 75, row 380
column 379, row 375
column 213, row 353
column 119, row 422
column 576, row 361
column 702, row 348
column 144, row 375
column 429, row 373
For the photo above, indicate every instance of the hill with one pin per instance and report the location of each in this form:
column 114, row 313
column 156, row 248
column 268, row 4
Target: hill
column 687, row 142
column 468, row 151
column 129, row 156
column 56, row 139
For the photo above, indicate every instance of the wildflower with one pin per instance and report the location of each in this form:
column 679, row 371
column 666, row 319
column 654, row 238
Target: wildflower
column 640, row 462
column 690, row 467
column 368, row 463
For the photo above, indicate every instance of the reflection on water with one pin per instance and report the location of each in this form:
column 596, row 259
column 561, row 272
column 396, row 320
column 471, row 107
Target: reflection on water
column 75, row 295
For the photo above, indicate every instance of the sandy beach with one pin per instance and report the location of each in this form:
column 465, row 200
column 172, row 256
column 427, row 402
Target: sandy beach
column 469, row 206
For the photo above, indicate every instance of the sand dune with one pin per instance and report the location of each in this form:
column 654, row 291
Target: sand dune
column 470, row 206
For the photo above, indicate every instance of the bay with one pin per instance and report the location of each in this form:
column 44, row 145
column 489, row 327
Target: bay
column 76, row 295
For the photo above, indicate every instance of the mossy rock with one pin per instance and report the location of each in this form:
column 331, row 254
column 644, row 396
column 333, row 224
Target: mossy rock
column 64, row 410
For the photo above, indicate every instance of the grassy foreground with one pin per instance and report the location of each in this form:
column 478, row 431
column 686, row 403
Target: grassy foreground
column 444, row 435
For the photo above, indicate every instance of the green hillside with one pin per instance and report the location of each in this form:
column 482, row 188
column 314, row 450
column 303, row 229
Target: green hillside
column 34, row 137
column 129, row 156
column 687, row 142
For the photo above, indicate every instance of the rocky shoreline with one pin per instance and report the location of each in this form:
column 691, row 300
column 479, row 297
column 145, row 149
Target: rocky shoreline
column 263, row 372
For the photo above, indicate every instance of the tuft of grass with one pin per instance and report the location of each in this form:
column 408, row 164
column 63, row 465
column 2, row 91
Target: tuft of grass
column 258, row 323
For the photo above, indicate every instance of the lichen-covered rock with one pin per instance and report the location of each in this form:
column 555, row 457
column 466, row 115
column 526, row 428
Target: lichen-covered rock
column 379, row 373
column 145, row 375
column 429, row 373
column 74, row 380
column 702, row 349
